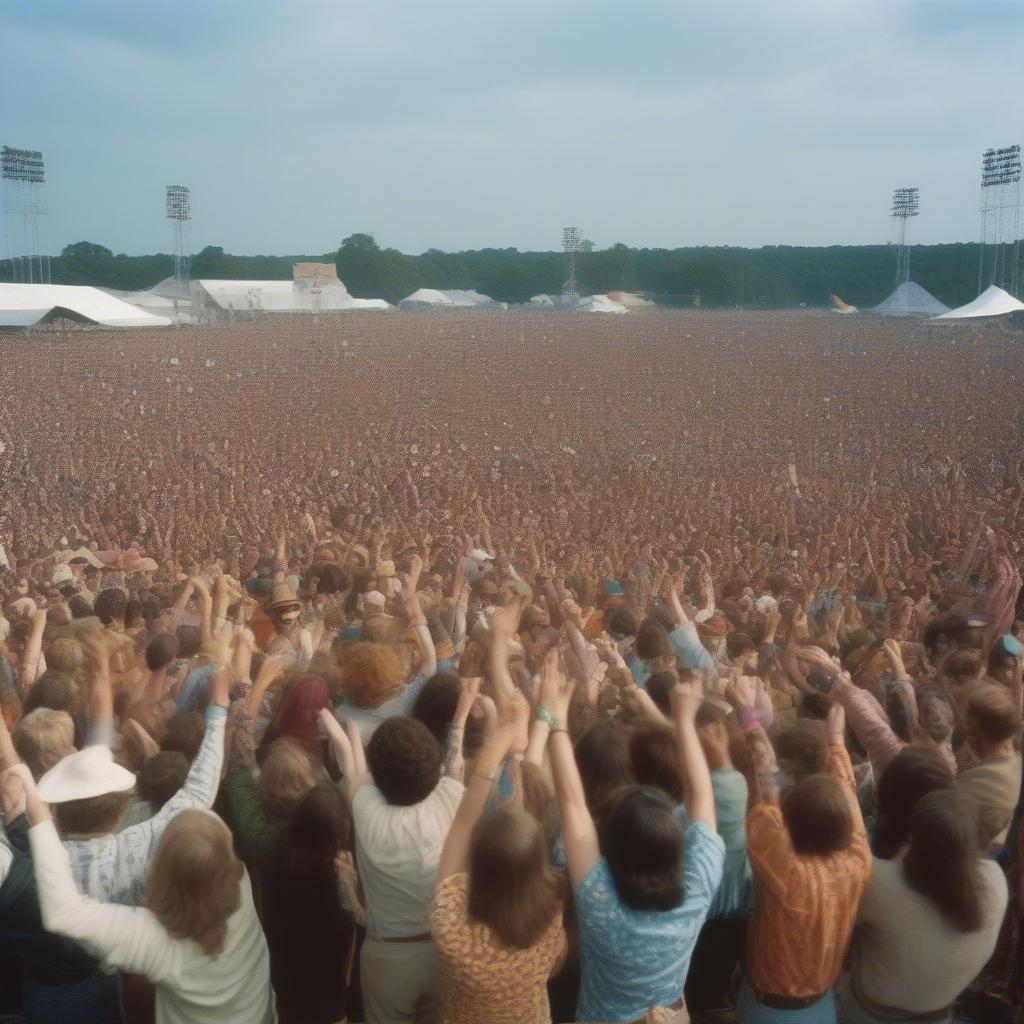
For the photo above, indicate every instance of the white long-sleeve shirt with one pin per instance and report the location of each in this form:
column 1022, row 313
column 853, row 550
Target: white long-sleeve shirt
column 113, row 868
column 191, row 987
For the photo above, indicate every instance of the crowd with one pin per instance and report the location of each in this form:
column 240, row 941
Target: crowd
column 668, row 676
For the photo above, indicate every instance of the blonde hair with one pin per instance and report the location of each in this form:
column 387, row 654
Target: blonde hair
column 195, row 880
column 65, row 655
column 286, row 776
column 42, row 738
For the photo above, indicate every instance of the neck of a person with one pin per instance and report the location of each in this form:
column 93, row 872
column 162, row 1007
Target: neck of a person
column 988, row 750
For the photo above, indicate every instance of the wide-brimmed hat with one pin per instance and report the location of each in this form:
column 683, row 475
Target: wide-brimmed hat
column 86, row 773
column 281, row 595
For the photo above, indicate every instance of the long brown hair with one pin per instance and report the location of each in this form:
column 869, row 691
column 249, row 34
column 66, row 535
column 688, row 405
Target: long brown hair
column 195, row 880
column 512, row 887
column 942, row 859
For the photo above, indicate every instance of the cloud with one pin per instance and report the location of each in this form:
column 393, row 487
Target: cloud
column 459, row 124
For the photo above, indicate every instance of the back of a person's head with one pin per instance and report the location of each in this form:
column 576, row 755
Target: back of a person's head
column 642, row 841
column 737, row 644
column 818, row 816
column 602, row 754
column 94, row 815
column 161, row 776
column 652, row 641
column 161, row 650
column 935, row 712
column 53, row 690
column 184, row 733
column 659, row 688
column 110, row 605
column 65, row 654
column 405, row 760
column 622, row 623
column 961, row 667
column 286, row 776
column 320, row 828
column 189, row 638
column 436, row 702
column 512, row 887
column 992, row 714
column 370, row 672
column 78, row 605
column 42, row 738
column 913, row 773
column 195, row 880
column 815, row 706
column 944, row 632
column 802, row 749
column 654, row 759
column 942, row 858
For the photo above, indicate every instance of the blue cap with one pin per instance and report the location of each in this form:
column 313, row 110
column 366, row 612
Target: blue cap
column 613, row 588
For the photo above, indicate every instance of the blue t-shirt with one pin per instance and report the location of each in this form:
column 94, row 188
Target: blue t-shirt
column 635, row 959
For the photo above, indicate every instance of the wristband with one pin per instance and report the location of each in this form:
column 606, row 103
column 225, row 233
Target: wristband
column 543, row 715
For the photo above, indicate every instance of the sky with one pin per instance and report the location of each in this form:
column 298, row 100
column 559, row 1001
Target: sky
column 460, row 124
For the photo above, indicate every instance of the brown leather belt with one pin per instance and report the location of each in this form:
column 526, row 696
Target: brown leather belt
column 785, row 1002
column 425, row 937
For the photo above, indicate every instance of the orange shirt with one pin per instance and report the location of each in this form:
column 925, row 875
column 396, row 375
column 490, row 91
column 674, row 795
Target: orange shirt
column 806, row 905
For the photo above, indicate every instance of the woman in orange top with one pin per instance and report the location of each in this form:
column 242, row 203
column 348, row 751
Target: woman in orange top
column 810, row 856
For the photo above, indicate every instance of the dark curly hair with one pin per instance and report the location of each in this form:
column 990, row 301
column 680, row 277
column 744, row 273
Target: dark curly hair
column 405, row 761
column 110, row 604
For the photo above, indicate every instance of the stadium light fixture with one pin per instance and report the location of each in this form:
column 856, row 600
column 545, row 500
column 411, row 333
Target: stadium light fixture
column 179, row 213
column 23, row 176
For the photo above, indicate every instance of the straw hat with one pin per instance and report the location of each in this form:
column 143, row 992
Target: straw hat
column 281, row 595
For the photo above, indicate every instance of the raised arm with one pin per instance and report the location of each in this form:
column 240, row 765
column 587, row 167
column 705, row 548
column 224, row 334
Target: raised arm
column 700, row 798
column 29, row 669
column 455, row 855
column 348, row 752
column 763, row 788
column 417, row 620
column 582, row 850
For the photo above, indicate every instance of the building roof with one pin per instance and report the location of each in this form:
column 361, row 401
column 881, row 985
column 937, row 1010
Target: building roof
column 992, row 301
column 22, row 305
column 910, row 299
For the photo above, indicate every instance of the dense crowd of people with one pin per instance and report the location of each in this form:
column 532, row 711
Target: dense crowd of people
column 513, row 668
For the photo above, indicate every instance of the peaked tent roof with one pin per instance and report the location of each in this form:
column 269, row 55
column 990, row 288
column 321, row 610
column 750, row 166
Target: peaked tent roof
column 993, row 301
column 910, row 299
column 446, row 297
column 283, row 296
column 22, row 305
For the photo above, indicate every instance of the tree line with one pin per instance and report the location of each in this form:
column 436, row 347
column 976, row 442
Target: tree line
column 770, row 277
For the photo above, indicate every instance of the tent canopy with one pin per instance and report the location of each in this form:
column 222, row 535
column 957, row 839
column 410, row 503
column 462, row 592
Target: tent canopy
column 22, row 305
column 992, row 301
column 910, row 299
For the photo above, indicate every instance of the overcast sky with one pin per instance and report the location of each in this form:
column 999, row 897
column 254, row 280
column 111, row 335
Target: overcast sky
column 467, row 123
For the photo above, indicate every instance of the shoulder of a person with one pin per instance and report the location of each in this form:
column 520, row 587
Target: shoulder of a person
column 993, row 881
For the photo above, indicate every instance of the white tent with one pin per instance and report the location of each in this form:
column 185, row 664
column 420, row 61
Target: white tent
column 22, row 305
column 599, row 304
column 632, row 300
column 280, row 296
column 992, row 301
column 910, row 299
column 451, row 298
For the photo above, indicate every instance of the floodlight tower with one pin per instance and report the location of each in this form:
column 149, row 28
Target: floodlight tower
column 1000, row 219
column 24, row 179
column 570, row 247
column 905, row 204
column 179, row 213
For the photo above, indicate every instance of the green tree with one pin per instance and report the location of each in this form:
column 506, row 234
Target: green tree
column 89, row 249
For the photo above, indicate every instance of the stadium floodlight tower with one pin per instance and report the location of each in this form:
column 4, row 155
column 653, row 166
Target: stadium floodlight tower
column 179, row 213
column 24, row 178
column 905, row 204
column 1000, row 219
column 570, row 247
